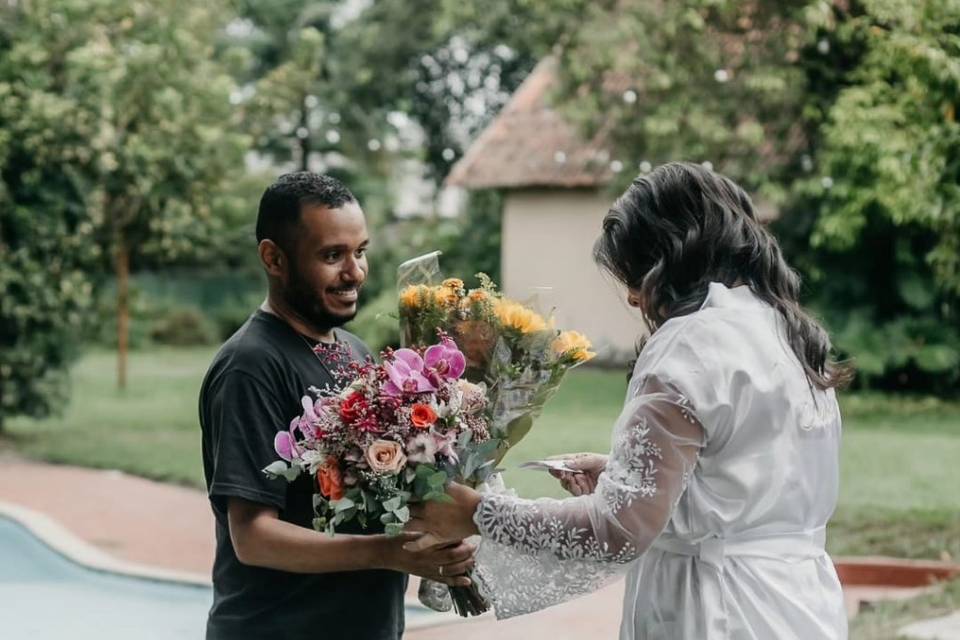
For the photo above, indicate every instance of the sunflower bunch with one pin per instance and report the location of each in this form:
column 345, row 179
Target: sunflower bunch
column 486, row 313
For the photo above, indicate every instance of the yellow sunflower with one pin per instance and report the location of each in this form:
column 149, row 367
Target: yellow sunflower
column 514, row 315
column 573, row 345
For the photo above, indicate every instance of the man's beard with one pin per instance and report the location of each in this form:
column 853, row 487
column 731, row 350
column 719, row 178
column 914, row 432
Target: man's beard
column 308, row 306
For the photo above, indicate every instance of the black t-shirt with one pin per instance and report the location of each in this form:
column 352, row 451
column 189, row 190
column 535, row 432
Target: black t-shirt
column 251, row 391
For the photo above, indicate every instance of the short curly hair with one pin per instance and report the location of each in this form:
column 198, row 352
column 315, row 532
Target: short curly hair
column 282, row 202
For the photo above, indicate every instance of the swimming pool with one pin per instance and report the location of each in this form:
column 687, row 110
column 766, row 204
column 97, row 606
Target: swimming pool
column 46, row 596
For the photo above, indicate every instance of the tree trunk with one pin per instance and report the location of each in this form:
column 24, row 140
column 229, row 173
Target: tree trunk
column 304, row 141
column 123, row 307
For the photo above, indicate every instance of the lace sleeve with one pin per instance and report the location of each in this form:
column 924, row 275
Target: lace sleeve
column 538, row 553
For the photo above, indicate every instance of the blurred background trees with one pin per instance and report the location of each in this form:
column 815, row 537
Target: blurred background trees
column 135, row 140
column 839, row 115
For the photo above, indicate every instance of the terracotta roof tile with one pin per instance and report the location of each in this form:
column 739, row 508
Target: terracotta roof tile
column 530, row 144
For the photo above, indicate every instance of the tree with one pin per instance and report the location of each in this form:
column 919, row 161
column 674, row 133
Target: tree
column 841, row 114
column 883, row 244
column 149, row 131
column 319, row 72
column 46, row 238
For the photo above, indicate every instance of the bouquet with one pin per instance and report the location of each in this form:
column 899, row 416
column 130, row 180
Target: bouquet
column 509, row 348
column 391, row 436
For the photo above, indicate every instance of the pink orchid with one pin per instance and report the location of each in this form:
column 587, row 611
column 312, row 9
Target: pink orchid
column 308, row 420
column 446, row 359
column 406, row 374
column 285, row 443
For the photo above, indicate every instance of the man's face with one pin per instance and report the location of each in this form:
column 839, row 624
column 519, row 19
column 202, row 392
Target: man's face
column 328, row 265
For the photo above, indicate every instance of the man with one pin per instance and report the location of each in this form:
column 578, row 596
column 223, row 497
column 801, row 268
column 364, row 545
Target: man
column 273, row 576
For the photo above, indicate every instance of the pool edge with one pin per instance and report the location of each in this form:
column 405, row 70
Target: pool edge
column 79, row 551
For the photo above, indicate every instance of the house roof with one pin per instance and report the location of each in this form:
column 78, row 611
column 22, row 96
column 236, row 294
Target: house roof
column 529, row 144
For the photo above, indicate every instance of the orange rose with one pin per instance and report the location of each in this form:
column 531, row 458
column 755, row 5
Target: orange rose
column 329, row 479
column 423, row 416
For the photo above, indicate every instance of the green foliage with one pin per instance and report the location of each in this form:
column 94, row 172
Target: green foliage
column 376, row 323
column 891, row 139
column 841, row 115
column 472, row 244
column 225, row 300
column 732, row 97
column 45, row 233
column 232, row 312
column 183, row 327
column 883, row 620
column 116, row 141
column 142, row 116
column 326, row 82
column 40, row 315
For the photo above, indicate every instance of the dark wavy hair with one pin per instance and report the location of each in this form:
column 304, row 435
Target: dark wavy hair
column 679, row 228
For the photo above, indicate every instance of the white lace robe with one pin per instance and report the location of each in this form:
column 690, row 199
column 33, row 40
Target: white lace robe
column 722, row 474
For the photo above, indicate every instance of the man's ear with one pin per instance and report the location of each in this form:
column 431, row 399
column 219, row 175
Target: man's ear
column 273, row 259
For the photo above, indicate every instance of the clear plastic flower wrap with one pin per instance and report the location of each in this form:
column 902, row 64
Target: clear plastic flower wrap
column 513, row 352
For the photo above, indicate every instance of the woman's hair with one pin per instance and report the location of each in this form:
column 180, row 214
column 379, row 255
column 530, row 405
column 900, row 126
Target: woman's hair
column 679, row 228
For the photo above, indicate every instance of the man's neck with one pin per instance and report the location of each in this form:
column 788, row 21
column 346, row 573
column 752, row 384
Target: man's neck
column 277, row 307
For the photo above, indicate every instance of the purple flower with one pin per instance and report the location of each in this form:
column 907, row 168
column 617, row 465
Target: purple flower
column 446, row 359
column 285, row 444
column 308, row 420
column 406, row 374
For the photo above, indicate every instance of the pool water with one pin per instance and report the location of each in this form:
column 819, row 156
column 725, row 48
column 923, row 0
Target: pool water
column 45, row 596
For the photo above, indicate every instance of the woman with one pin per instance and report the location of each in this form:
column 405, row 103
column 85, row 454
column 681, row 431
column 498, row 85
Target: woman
column 723, row 470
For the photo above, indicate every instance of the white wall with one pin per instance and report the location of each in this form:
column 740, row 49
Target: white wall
column 548, row 237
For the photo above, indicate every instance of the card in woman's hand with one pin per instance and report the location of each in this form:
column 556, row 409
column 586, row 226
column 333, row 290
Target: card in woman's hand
column 549, row 465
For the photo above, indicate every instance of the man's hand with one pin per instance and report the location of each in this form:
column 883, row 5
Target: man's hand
column 591, row 465
column 446, row 562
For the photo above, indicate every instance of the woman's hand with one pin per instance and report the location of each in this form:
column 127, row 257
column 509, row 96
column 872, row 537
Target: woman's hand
column 443, row 521
column 591, row 465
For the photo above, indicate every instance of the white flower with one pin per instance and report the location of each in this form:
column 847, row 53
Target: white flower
column 422, row 448
column 356, row 385
column 473, row 397
column 312, row 459
column 452, row 406
column 445, row 444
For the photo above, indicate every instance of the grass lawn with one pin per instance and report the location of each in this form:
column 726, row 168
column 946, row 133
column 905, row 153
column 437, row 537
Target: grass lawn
column 900, row 492
column 882, row 620
column 150, row 429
